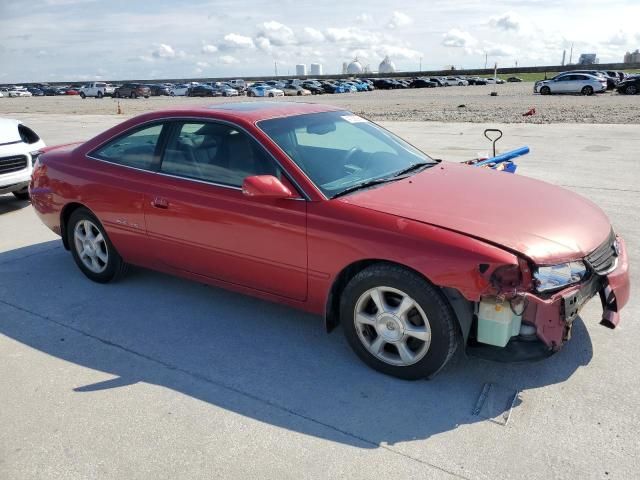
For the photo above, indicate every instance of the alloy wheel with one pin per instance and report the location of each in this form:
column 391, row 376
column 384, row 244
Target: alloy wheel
column 392, row 326
column 91, row 246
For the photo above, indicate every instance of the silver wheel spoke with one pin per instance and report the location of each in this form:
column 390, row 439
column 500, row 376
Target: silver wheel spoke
column 404, row 307
column 406, row 355
column 365, row 319
column 378, row 299
column 418, row 332
column 98, row 240
column 102, row 256
column 377, row 345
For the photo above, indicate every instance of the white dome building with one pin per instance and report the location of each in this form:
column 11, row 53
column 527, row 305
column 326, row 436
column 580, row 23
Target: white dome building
column 355, row 67
column 386, row 66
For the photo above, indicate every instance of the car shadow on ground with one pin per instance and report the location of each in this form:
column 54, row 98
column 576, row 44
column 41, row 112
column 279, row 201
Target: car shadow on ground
column 9, row 203
column 255, row 358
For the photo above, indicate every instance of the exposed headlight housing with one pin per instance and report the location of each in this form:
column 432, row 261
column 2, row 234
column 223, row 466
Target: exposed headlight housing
column 557, row 276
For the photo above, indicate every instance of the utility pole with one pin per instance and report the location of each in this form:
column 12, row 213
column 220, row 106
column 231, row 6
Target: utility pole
column 275, row 66
column 486, row 55
column 420, row 64
column 571, row 54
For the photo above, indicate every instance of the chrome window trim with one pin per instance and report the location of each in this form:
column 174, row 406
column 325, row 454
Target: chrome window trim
column 301, row 191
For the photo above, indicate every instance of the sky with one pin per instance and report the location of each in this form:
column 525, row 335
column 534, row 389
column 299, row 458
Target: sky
column 82, row 40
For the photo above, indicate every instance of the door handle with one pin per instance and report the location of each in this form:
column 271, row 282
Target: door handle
column 160, row 202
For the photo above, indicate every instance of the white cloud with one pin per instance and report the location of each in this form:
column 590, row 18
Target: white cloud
column 228, row 59
column 494, row 50
column 364, row 18
column 263, row 44
column 164, row 51
column 233, row 40
column 202, row 64
column 208, row 48
column 277, row 33
column 399, row 19
column 311, row 35
column 508, row 21
column 394, row 52
column 351, row 36
column 458, row 39
column 619, row 38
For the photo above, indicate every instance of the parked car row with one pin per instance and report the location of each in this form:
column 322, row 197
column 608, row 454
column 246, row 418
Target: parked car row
column 587, row 82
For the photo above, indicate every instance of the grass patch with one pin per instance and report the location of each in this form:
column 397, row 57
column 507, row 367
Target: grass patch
column 534, row 77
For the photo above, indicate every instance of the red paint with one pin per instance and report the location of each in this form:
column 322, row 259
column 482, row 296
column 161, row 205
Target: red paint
column 276, row 241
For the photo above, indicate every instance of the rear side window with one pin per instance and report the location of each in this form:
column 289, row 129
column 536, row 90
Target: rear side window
column 137, row 149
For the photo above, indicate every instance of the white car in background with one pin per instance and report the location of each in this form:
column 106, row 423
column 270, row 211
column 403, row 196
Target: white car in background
column 179, row 90
column 571, row 83
column 19, row 149
column 19, row 92
column 454, row 81
column 264, row 91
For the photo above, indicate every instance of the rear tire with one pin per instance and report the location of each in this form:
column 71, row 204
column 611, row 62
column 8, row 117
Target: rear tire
column 100, row 95
column 631, row 90
column 587, row 90
column 401, row 317
column 22, row 194
column 91, row 248
column 545, row 91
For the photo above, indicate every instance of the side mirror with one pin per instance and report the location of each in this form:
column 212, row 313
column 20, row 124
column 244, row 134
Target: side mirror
column 265, row 186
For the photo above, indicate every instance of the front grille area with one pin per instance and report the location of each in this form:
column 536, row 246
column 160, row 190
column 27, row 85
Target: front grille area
column 604, row 258
column 13, row 164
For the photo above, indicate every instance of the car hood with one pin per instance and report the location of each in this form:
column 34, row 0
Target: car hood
column 545, row 223
column 9, row 131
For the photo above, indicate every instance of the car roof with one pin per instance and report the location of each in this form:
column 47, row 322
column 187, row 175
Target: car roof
column 250, row 111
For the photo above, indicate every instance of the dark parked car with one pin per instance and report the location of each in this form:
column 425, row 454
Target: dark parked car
column 203, row 91
column 313, row 87
column 514, row 79
column 158, row 90
column 50, row 91
column 132, row 90
column 630, row 85
column 36, row 92
column 422, row 83
column 384, row 84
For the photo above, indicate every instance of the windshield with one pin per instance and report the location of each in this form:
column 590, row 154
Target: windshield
column 339, row 150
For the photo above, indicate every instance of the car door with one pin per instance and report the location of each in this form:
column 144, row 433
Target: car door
column 120, row 174
column 199, row 221
column 563, row 84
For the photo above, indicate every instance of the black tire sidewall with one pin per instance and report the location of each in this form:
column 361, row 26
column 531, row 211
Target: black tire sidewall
column 439, row 313
column 114, row 263
column 545, row 90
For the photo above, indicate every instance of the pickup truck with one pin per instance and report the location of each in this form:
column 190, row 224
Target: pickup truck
column 96, row 89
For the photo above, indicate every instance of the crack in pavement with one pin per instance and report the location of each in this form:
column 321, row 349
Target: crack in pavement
column 628, row 190
column 230, row 388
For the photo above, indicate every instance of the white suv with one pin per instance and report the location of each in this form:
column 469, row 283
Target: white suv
column 96, row 89
column 19, row 149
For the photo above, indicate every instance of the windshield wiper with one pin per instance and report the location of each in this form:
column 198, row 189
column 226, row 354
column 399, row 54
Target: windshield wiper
column 368, row 183
column 396, row 176
column 412, row 168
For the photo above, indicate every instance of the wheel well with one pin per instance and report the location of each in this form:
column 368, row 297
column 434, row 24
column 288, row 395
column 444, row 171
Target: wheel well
column 64, row 219
column 462, row 308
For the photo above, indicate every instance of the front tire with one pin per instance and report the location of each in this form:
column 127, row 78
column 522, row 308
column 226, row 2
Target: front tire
column 587, row 90
column 91, row 248
column 397, row 322
column 545, row 91
column 631, row 90
column 82, row 95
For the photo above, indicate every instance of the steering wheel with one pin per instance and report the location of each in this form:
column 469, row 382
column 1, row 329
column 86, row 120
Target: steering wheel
column 351, row 153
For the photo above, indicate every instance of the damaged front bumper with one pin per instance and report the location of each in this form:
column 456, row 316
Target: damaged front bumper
column 553, row 316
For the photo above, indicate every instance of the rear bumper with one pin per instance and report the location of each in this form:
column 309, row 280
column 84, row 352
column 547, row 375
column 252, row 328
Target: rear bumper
column 553, row 316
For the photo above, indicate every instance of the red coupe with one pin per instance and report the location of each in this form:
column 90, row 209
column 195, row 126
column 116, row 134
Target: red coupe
column 323, row 210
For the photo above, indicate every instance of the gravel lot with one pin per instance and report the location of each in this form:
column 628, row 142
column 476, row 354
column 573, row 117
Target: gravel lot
column 451, row 104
